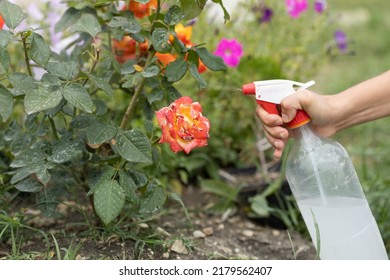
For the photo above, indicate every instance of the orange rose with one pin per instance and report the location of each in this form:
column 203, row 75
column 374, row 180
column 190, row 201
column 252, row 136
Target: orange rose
column 183, row 125
column 184, row 33
column 126, row 49
column 165, row 58
column 142, row 10
column 1, row 22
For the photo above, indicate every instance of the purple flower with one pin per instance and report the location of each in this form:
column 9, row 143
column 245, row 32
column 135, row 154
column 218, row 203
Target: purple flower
column 320, row 6
column 231, row 52
column 296, row 7
column 341, row 40
column 267, row 14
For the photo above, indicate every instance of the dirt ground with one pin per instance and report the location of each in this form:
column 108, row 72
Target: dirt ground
column 172, row 235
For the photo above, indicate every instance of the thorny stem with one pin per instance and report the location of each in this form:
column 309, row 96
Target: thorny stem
column 133, row 102
column 24, row 37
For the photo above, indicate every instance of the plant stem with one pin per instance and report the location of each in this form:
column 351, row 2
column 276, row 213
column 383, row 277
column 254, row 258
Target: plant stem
column 53, row 128
column 133, row 102
column 27, row 60
column 95, row 62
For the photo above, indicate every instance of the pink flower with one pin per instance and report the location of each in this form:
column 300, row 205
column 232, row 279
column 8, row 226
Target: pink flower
column 296, row 7
column 231, row 52
column 320, row 6
column 341, row 40
column 183, row 125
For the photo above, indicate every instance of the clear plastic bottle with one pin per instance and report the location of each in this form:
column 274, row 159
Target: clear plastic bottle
column 332, row 202
column 324, row 183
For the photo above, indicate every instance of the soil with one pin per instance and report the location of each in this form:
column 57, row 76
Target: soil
column 199, row 235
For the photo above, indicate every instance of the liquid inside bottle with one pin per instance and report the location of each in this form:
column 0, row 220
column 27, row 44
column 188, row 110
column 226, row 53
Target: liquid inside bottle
column 331, row 200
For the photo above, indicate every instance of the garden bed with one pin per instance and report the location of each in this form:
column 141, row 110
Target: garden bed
column 170, row 235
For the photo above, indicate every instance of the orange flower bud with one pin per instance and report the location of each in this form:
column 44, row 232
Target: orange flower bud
column 126, row 49
column 1, row 22
column 142, row 10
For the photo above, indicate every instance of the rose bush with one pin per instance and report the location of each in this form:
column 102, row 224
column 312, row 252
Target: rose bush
column 82, row 117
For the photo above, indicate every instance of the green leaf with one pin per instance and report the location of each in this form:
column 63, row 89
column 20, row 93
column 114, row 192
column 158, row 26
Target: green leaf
column 100, row 107
column 212, row 62
column 43, row 174
column 88, row 23
column 20, row 174
column 5, row 38
column 160, row 40
column 51, row 80
column 6, row 103
column 28, row 158
column 195, row 73
column 109, row 199
column 127, row 24
column 174, row 15
column 78, row 96
column 134, row 146
column 11, row 13
column 132, row 80
column 192, row 8
column 63, row 69
column 22, row 82
column 4, row 61
column 41, row 99
column 82, row 121
column 226, row 15
column 129, row 186
column 71, row 16
column 153, row 199
column 155, row 95
column 176, row 70
column 65, row 151
column 20, row 143
column 150, row 71
column 29, row 185
column 99, row 132
column 259, row 205
column 172, row 94
column 40, row 170
column 103, row 174
column 102, row 84
column 127, row 68
column 139, row 178
column 39, row 50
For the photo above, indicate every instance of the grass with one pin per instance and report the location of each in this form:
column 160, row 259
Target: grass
column 366, row 24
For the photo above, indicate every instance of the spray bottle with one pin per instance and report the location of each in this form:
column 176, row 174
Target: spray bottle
column 324, row 183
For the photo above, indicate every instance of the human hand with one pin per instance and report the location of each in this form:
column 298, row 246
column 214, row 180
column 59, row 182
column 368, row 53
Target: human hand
column 320, row 108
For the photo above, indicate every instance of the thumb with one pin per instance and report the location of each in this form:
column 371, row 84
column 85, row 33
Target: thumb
column 289, row 107
column 288, row 114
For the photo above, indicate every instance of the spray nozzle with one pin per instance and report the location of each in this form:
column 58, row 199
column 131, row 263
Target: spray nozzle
column 270, row 93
